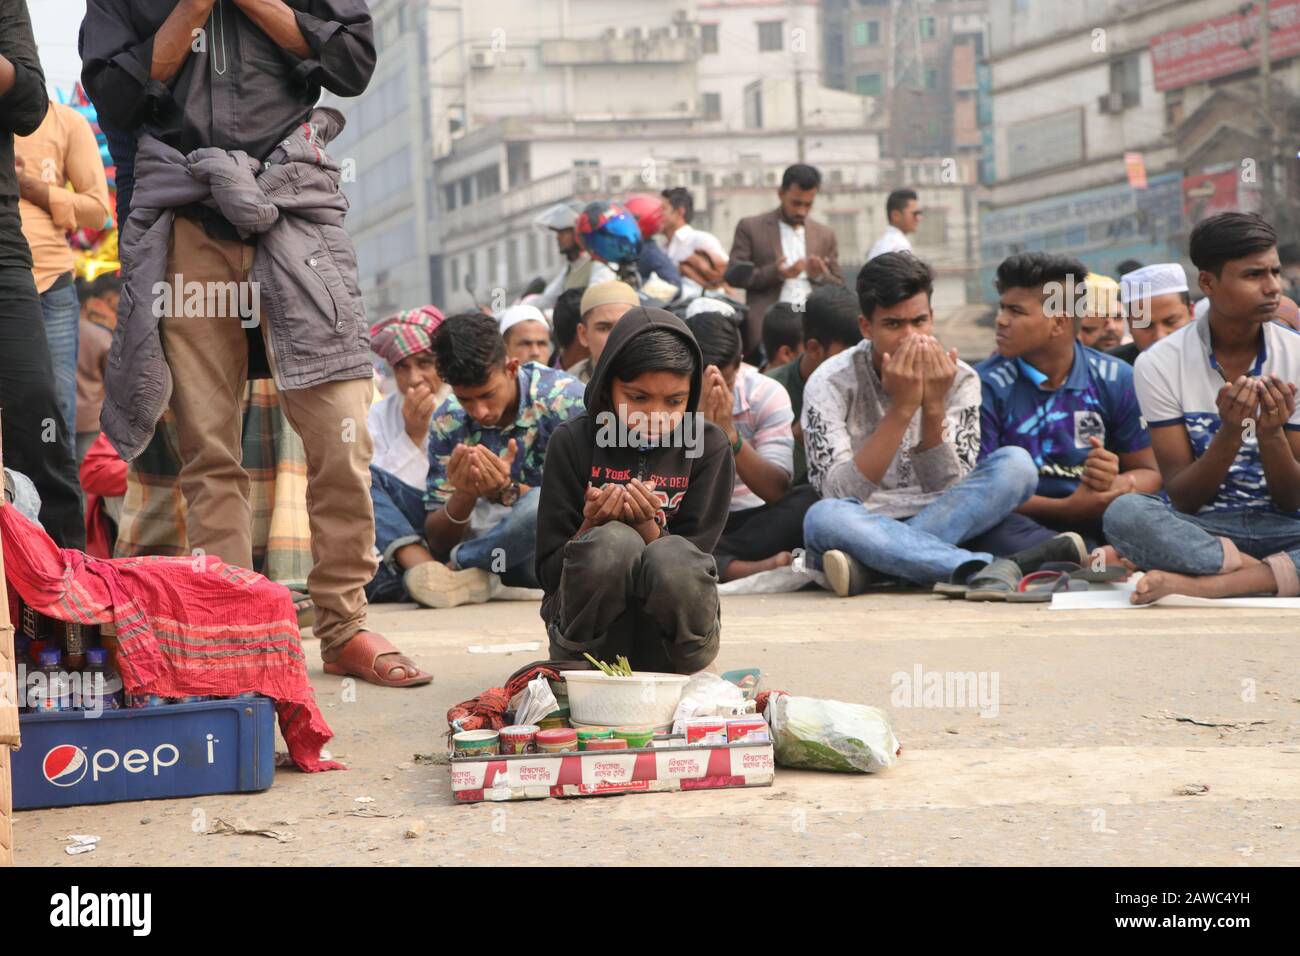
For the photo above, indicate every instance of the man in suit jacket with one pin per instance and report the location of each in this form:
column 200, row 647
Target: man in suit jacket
column 790, row 252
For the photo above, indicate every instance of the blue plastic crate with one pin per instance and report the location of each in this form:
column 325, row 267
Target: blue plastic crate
column 179, row 750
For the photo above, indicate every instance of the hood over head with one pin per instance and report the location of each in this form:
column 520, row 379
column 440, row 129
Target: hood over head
column 636, row 322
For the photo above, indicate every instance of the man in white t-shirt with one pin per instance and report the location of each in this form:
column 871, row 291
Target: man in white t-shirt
column 1219, row 398
column 698, row 254
column 903, row 211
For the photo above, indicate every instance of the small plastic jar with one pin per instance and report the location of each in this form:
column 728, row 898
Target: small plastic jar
column 557, row 740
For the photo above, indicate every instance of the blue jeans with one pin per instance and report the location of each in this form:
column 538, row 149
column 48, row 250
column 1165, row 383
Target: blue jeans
column 924, row 548
column 399, row 521
column 62, row 314
column 1149, row 532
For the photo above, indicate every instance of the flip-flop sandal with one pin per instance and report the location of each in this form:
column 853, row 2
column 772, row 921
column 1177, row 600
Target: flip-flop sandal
column 360, row 658
column 304, row 608
column 1078, row 572
column 995, row 581
column 1038, row 587
column 958, row 582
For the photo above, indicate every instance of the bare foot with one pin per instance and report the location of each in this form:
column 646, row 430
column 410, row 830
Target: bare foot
column 743, row 569
column 1154, row 585
column 1107, row 557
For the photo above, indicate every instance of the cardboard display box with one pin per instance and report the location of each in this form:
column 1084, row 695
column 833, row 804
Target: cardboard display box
column 668, row 766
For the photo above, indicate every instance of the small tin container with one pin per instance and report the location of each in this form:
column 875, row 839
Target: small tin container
column 637, row 738
column 557, row 740
column 476, row 743
column 556, row 718
column 606, row 743
column 519, row 739
column 588, row 734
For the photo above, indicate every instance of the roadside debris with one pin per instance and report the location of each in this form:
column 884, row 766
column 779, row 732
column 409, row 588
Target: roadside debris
column 242, row 827
column 1192, row 789
column 81, row 843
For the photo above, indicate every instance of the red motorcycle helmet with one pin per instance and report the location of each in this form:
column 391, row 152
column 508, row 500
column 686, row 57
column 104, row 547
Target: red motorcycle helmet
column 648, row 210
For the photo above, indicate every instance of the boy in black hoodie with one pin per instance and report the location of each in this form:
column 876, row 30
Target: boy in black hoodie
column 634, row 497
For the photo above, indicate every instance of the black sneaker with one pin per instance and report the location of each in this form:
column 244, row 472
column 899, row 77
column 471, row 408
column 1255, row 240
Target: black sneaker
column 1064, row 547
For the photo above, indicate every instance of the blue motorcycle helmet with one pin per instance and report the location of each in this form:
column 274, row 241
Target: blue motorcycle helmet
column 609, row 232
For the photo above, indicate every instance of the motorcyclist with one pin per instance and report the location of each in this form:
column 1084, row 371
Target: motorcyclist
column 561, row 220
column 649, row 214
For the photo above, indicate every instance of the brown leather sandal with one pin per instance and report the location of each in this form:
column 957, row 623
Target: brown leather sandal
column 360, row 658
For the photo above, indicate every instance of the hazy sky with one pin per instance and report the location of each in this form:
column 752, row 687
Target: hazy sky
column 55, row 23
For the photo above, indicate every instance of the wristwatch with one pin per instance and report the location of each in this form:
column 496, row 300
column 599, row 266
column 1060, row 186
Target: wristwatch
column 509, row 494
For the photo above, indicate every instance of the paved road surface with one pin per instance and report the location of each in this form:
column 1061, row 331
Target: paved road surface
column 1080, row 764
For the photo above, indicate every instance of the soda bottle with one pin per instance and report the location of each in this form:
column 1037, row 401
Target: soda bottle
column 76, row 638
column 101, row 687
column 53, row 690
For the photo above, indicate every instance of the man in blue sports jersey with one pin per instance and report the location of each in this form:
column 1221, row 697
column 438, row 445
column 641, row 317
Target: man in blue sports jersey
column 1071, row 407
column 1219, row 397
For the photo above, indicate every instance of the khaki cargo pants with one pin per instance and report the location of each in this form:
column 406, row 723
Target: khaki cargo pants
column 208, row 358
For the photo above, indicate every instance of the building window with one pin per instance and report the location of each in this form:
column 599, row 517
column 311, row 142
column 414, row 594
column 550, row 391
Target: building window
column 466, row 191
column 866, row 33
column 868, row 84
column 530, row 246
column 449, row 197
column 770, row 36
column 455, row 273
column 493, row 265
column 931, row 79
column 712, row 106
column 927, row 28
column 708, row 38
column 754, row 105
column 487, row 182
column 1125, row 81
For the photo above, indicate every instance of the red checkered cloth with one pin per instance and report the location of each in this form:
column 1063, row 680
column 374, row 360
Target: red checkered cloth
column 185, row 626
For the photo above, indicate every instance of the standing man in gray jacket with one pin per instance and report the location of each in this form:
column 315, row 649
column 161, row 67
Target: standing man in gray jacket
column 227, row 87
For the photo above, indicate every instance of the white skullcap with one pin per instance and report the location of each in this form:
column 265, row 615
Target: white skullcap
column 521, row 313
column 1151, row 281
column 704, row 304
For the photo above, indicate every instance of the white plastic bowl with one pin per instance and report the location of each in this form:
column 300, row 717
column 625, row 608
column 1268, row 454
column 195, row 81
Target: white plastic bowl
column 644, row 698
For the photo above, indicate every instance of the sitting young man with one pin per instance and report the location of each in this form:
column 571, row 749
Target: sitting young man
column 1220, row 399
column 1072, row 408
column 1157, row 303
column 765, row 525
column 478, row 513
column 782, row 335
column 1101, row 322
column 526, row 334
column 399, row 423
column 891, row 428
column 603, row 304
column 830, row 325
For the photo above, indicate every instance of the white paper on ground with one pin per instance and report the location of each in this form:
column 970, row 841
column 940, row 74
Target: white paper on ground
column 777, row 581
column 1112, row 597
column 503, row 648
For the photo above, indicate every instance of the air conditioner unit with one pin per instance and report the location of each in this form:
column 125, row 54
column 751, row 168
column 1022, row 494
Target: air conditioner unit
column 482, row 59
column 1112, row 102
column 611, row 33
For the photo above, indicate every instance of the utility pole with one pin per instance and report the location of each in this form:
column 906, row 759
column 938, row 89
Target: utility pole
column 1266, row 103
column 906, row 72
column 798, row 113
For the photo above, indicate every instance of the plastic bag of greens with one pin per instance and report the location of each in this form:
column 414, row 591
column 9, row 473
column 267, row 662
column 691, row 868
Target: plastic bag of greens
column 830, row 735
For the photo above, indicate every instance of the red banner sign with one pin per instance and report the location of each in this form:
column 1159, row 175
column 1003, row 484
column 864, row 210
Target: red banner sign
column 1222, row 46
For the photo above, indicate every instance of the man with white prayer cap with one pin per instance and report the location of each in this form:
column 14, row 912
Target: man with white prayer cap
column 1158, row 304
column 526, row 333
